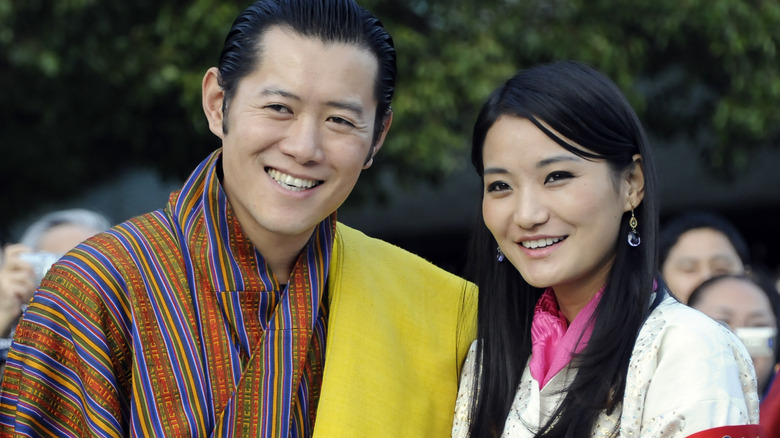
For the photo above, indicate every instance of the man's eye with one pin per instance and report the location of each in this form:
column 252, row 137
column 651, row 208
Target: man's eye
column 341, row 121
column 279, row 108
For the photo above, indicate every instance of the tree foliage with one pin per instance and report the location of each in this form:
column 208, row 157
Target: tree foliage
column 93, row 87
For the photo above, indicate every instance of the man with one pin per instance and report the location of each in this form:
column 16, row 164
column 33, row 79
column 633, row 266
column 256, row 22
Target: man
column 243, row 308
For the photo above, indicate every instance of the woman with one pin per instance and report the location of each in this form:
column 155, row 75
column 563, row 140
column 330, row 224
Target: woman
column 697, row 245
column 577, row 336
column 748, row 305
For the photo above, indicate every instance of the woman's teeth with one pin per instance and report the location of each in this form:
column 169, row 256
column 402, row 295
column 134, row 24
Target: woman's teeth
column 290, row 182
column 541, row 243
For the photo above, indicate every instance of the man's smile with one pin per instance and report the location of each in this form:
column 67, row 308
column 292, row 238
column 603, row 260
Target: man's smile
column 290, row 182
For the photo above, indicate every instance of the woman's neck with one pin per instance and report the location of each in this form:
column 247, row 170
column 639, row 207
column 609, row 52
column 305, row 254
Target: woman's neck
column 571, row 302
column 574, row 295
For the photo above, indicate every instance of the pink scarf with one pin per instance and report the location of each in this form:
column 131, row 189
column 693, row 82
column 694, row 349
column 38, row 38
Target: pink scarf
column 553, row 343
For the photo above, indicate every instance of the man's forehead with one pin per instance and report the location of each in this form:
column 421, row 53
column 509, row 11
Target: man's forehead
column 295, row 61
column 283, row 31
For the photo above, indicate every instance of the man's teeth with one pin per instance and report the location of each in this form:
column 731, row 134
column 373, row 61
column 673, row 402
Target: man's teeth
column 291, row 182
column 541, row 243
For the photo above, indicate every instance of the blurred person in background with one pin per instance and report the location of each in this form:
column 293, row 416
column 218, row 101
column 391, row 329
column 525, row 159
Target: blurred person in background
column 749, row 306
column 24, row 264
column 697, row 245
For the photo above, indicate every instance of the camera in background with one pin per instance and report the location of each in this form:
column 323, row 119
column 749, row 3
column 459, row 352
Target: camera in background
column 41, row 262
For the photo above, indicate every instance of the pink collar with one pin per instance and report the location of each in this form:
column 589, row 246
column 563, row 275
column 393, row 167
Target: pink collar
column 553, row 343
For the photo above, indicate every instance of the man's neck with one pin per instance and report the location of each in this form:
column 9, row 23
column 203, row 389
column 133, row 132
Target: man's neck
column 280, row 253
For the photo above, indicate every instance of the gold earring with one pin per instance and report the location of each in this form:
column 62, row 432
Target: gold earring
column 633, row 235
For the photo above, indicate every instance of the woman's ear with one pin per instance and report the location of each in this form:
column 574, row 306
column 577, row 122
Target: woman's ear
column 213, row 96
column 635, row 178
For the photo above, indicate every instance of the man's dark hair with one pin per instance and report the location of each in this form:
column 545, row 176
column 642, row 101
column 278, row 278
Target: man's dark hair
column 341, row 21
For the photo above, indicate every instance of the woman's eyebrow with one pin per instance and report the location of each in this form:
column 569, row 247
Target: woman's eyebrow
column 557, row 159
column 495, row 171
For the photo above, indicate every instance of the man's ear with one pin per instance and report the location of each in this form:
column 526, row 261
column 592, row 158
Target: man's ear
column 213, row 97
column 380, row 139
column 635, row 178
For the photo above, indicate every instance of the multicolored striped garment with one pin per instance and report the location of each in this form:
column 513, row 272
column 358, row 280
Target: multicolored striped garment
column 172, row 325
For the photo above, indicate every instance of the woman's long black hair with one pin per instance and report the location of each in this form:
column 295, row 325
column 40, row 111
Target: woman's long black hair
column 587, row 108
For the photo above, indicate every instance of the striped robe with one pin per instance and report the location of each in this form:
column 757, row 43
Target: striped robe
column 143, row 331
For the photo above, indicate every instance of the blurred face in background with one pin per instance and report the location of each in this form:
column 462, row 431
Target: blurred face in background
column 23, row 267
column 699, row 254
column 742, row 305
column 62, row 238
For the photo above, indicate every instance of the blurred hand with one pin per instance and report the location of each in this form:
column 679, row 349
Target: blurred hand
column 17, row 285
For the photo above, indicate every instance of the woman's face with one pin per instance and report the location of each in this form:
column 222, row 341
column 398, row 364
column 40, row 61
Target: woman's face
column 699, row 254
column 555, row 215
column 739, row 304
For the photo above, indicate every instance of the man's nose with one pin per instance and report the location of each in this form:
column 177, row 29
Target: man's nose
column 303, row 142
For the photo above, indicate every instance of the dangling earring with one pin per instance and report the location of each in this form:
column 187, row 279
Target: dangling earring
column 499, row 255
column 633, row 235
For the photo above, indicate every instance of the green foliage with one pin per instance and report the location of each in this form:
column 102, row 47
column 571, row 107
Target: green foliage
column 93, row 87
column 703, row 70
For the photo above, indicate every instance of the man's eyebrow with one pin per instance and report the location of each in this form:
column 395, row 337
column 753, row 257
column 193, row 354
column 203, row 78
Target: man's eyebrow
column 356, row 108
column 349, row 106
column 278, row 92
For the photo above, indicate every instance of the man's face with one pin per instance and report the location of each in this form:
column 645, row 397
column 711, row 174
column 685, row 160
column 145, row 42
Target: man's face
column 299, row 132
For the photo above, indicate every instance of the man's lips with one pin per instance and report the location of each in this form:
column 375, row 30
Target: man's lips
column 290, row 182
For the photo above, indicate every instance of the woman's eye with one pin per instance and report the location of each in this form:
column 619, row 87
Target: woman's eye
column 721, row 271
column 724, row 323
column 497, row 186
column 725, row 268
column 557, row 176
